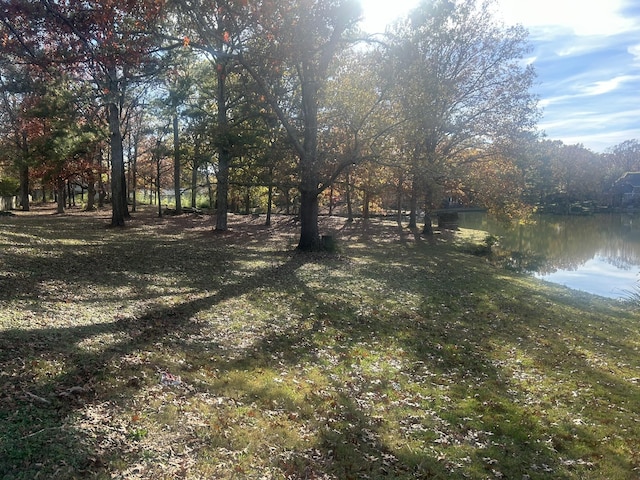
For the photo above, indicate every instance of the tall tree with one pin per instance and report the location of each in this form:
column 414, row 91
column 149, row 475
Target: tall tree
column 17, row 92
column 66, row 142
column 113, row 42
column 216, row 28
column 306, row 36
column 463, row 88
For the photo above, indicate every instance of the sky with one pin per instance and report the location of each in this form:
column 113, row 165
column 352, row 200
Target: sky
column 587, row 58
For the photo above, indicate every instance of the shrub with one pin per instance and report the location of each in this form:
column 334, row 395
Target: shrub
column 9, row 187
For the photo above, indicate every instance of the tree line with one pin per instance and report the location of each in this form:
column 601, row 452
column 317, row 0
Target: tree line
column 281, row 102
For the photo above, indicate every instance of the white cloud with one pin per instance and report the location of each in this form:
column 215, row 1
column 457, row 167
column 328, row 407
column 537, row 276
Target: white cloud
column 606, row 86
column 598, row 17
column 597, row 130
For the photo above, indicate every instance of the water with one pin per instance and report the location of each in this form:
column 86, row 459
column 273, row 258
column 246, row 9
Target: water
column 599, row 254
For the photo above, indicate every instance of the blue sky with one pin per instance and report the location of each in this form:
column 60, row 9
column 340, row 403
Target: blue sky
column 587, row 58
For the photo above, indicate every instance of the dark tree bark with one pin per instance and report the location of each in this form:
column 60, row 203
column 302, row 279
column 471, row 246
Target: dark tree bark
column 413, row 205
column 400, row 198
column 210, row 191
column 60, row 184
column 309, row 232
column 91, row 191
column 176, row 165
column 194, row 177
column 118, row 199
column 365, row 204
column 349, row 201
column 24, row 174
column 134, row 175
column 158, row 187
column 331, row 200
column 24, row 187
column 224, row 154
column 269, row 197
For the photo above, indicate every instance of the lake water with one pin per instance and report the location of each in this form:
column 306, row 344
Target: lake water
column 599, row 254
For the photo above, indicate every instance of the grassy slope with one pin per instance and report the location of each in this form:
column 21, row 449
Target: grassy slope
column 396, row 358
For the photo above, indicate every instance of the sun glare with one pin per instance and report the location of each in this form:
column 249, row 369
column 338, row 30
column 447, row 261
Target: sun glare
column 377, row 14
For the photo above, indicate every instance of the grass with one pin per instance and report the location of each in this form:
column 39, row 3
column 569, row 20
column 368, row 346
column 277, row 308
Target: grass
column 166, row 350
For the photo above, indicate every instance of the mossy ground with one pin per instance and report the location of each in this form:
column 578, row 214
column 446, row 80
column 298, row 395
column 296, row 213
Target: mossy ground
column 166, row 350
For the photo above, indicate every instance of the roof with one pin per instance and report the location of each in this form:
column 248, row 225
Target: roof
column 631, row 178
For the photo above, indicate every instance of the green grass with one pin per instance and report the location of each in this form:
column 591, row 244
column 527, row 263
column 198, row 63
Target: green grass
column 396, row 357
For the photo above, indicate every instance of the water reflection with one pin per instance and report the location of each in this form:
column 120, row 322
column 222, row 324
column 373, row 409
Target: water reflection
column 598, row 254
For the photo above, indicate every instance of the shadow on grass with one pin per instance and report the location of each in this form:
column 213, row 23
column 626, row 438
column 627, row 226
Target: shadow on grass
column 46, row 400
column 451, row 393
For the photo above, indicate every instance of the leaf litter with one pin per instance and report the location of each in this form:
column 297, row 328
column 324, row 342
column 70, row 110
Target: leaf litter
column 243, row 360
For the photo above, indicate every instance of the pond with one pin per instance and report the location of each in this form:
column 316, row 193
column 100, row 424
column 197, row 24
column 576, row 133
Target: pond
column 599, row 254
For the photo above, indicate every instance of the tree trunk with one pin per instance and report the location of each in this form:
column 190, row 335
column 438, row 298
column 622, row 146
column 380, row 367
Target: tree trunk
column 60, row 184
column 309, row 164
column 222, row 189
column 118, row 199
column 287, row 198
column 365, row 204
column 247, row 201
column 194, row 187
column 400, row 198
column 269, row 197
column 134, row 173
column 176, row 165
column 101, row 191
column 349, row 202
column 24, row 174
column 128, row 164
column 91, row 191
column 309, row 232
column 224, row 154
column 158, row 188
column 427, row 229
column 194, row 177
column 125, row 197
column 210, row 191
column 331, row 200
column 24, row 187
column 413, row 212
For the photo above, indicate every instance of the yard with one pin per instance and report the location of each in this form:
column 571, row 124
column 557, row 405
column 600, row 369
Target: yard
column 166, row 350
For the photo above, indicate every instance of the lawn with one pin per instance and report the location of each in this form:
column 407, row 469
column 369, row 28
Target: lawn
column 166, row 350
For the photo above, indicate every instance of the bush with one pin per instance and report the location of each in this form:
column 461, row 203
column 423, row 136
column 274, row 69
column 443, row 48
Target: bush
column 9, row 187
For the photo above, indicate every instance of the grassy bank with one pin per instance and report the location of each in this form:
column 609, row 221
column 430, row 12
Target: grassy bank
column 166, row 350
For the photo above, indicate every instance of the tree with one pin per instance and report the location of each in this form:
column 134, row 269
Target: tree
column 18, row 91
column 464, row 88
column 289, row 55
column 177, row 83
column 624, row 157
column 65, row 141
column 111, row 42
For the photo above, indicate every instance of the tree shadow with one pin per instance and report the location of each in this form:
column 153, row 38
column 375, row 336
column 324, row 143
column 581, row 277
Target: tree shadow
column 47, row 376
column 479, row 405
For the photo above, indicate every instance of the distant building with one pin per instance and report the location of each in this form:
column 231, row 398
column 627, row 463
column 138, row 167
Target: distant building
column 626, row 190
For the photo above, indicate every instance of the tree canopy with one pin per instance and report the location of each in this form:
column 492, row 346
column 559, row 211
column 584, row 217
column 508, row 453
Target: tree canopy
column 285, row 104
